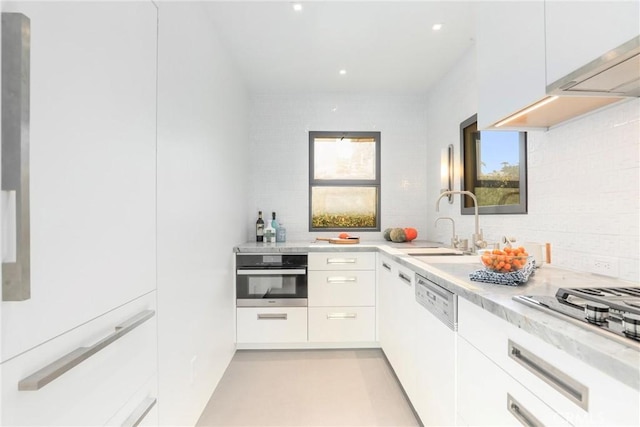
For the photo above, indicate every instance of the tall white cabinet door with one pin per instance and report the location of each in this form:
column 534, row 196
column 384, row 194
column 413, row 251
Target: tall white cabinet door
column 92, row 182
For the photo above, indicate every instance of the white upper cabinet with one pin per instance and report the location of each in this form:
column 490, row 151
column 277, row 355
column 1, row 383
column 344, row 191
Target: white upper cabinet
column 93, row 150
column 510, row 58
column 522, row 47
column 579, row 32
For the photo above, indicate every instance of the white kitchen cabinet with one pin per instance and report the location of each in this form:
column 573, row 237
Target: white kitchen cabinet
column 271, row 325
column 510, row 58
column 338, row 261
column 342, row 288
column 397, row 321
column 342, row 297
column 513, row 65
column 578, row 392
column 93, row 170
column 342, row 324
column 488, row 396
column 578, row 33
column 384, row 275
column 96, row 389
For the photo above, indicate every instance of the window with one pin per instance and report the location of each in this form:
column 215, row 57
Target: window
column 344, row 181
column 494, row 168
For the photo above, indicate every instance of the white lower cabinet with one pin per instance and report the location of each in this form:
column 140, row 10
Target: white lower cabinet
column 342, row 297
column 271, row 325
column 579, row 393
column 488, row 396
column 141, row 409
column 54, row 384
column 397, row 322
column 342, row 324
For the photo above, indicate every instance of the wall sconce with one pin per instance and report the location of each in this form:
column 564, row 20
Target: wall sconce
column 446, row 171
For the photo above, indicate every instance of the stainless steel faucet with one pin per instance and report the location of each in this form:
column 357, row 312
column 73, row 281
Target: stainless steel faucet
column 454, row 237
column 477, row 239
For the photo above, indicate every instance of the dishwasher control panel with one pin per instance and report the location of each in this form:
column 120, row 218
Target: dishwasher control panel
column 439, row 301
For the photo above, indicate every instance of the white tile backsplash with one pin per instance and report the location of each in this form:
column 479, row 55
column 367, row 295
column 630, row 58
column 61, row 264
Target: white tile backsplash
column 584, row 175
column 280, row 154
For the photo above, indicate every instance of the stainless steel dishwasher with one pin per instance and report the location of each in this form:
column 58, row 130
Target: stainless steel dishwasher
column 436, row 351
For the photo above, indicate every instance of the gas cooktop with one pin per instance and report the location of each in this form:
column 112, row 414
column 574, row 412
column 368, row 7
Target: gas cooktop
column 613, row 312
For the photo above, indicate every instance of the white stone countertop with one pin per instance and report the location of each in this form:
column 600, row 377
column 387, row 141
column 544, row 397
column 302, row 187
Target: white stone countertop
column 618, row 358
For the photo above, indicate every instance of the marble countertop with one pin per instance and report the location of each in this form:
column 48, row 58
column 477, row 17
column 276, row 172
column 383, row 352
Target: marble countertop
column 617, row 358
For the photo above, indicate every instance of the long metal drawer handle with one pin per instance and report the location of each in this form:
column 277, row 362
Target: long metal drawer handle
column 16, row 263
column 575, row 391
column 386, row 266
column 341, row 316
column 521, row 414
column 341, row 279
column 272, row 316
column 342, row 260
column 140, row 412
column 44, row 376
column 404, row 277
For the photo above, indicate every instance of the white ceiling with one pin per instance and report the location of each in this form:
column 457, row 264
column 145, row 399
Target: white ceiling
column 386, row 47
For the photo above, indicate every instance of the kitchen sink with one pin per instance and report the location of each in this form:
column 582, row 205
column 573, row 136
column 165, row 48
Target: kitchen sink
column 431, row 251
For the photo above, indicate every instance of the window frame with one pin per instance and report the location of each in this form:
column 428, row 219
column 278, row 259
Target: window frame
column 466, row 203
column 375, row 183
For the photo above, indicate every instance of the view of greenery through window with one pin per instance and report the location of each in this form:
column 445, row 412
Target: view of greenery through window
column 344, row 181
column 494, row 168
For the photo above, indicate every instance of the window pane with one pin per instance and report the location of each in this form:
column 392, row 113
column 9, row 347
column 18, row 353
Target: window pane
column 344, row 158
column 498, row 169
column 494, row 168
column 343, row 207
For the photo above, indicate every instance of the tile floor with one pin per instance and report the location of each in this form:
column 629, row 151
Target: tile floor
column 308, row 388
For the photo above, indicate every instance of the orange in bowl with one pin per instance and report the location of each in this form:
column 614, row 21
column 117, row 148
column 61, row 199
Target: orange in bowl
column 506, row 260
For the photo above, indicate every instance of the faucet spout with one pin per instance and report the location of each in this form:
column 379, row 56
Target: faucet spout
column 477, row 237
column 454, row 237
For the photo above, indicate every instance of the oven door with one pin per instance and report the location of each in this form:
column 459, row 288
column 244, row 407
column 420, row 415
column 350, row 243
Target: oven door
column 282, row 287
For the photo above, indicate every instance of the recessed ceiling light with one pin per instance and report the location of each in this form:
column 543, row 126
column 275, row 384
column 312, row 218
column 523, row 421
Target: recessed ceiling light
column 436, row 27
column 343, row 72
column 297, row 7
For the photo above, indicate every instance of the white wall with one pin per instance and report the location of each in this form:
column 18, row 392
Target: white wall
column 583, row 180
column 583, row 174
column 202, row 149
column 280, row 155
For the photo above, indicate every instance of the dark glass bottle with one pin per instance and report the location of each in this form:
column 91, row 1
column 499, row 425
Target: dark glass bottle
column 260, row 228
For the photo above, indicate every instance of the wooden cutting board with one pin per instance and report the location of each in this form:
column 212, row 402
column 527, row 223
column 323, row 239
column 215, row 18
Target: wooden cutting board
column 339, row 241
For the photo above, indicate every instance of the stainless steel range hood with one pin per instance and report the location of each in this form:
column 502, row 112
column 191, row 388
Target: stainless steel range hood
column 616, row 73
column 610, row 78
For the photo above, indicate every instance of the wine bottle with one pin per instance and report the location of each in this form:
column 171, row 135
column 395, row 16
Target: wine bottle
column 260, row 228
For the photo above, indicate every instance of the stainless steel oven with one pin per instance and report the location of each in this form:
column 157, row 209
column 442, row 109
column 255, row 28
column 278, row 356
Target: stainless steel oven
column 271, row 280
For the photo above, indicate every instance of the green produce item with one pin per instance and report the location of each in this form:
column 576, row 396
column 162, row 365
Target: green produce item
column 387, row 234
column 398, row 235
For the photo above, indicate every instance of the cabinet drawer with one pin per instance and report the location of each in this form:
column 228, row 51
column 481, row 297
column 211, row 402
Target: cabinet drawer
column 342, row 324
column 93, row 390
column 502, row 401
column 141, row 409
column 578, row 392
column 271, row 324
column 342, row 288
column 342, row 261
